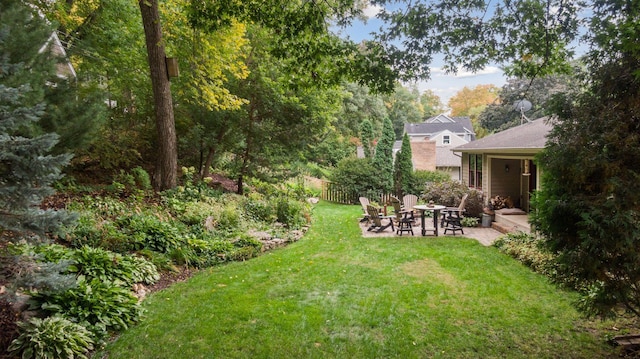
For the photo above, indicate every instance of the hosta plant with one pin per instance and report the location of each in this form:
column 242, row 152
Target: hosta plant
column 102, row 306
column 51, row 338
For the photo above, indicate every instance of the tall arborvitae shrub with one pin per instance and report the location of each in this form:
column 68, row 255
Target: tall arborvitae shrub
column 366, row 137
column 403, row 169
column 383, row 159
column 27, row 170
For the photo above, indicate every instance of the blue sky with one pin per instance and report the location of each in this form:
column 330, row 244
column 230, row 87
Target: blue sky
column 442, row 84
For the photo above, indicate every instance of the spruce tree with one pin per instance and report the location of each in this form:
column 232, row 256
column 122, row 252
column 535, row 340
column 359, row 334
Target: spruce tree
column 383, row 159
column 27, row 170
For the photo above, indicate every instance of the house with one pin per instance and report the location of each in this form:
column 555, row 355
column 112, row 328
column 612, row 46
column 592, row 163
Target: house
column 64, row 68
column 503, row 164
column 432, row 142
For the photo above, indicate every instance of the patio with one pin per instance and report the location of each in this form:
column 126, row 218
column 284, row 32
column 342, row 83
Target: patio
column 486, row 236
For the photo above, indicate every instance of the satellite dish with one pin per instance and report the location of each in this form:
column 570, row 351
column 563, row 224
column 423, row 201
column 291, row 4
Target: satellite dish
column 522, row 105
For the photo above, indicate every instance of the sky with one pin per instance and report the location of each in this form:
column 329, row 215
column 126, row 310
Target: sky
column 442, row 84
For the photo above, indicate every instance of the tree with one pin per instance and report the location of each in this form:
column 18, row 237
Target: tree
column 358, row 105
column 166, row 172
column 366, row 137
column 403, row 171
column 403, row 106
column 27, row 170
column 383, row 158
column 431, row 104
column 277, row 122
column 502, row 113
column 588, row 207
column 470, row 101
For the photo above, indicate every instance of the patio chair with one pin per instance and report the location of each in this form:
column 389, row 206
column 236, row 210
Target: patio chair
column 364, row 201
column 408, row 201
column 376, row 218
column 452, row 217
column 403, row 217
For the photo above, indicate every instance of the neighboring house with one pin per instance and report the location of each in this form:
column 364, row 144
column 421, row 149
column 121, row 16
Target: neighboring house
column 64, row 68
column 503, row 163
column 432, row 142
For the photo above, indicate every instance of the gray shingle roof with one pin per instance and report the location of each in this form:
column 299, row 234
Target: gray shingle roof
column 461, row 125
column 526, row 137
column 446, row 158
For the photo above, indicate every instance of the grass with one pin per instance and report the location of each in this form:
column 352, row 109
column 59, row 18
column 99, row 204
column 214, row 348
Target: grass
column 335, row 294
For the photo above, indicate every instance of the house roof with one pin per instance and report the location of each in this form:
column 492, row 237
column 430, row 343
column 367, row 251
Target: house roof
column 64, row 69
column 528, row 137
column 446, row 158
column 439, row 124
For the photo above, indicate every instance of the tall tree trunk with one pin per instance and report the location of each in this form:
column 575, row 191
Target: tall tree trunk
column 204, row 173
column 165, row 175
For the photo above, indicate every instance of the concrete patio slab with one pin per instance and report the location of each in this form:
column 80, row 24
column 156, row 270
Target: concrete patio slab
column 486, row 236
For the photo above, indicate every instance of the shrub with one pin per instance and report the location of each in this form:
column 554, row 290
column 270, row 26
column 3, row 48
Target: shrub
column 52, row 337
column 148, row 231
column 527, row 249
column 422, row 179
column 290, row 213
column 113, row 267
column 202, row 253
column 100, row 306
column 260, row 210
column 196, row 212
column 229, row 217
column 104, row 234
column 449, row 193
column 357, row 176
column 469, row 221
column 141, row 178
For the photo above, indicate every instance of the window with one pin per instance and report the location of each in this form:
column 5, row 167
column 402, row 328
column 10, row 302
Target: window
column 446, row 140
column 475, row 171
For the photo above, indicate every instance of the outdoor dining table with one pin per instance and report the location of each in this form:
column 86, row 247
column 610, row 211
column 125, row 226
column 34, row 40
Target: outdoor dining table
column 435, row 208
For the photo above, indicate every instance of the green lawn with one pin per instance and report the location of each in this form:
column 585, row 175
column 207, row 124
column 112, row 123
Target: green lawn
column 335, row 294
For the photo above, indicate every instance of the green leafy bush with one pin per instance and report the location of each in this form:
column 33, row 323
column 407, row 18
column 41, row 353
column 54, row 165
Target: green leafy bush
column 527, row 249
column 52, row 338
column 260, row 210
column 202, row 253
column 358, row 176
column 102, row 233
column 102, row 307
column 469, row 221
column 148, row 231
column 422, row 179
column 449, row 193
column 113, row 267
column 291, row 213
column 141, row 178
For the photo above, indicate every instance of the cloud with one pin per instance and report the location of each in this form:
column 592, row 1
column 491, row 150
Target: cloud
column 371, row 10
column 489, row 70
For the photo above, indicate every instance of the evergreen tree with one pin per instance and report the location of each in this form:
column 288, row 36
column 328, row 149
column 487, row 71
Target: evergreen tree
column 366, row 137
column 26, row 169
column 403, row 169
column 383, row 159
column 588, row 208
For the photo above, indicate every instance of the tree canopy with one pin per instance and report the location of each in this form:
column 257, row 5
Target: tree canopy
column 503, row 113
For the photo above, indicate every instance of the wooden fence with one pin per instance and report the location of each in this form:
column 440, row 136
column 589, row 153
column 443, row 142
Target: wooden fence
column 334, row 192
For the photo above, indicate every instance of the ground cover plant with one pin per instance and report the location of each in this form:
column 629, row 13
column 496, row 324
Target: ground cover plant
column 125, row 240
column 336, row 294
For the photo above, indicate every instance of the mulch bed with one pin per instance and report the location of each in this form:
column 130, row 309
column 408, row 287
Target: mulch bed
column 169, row 278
